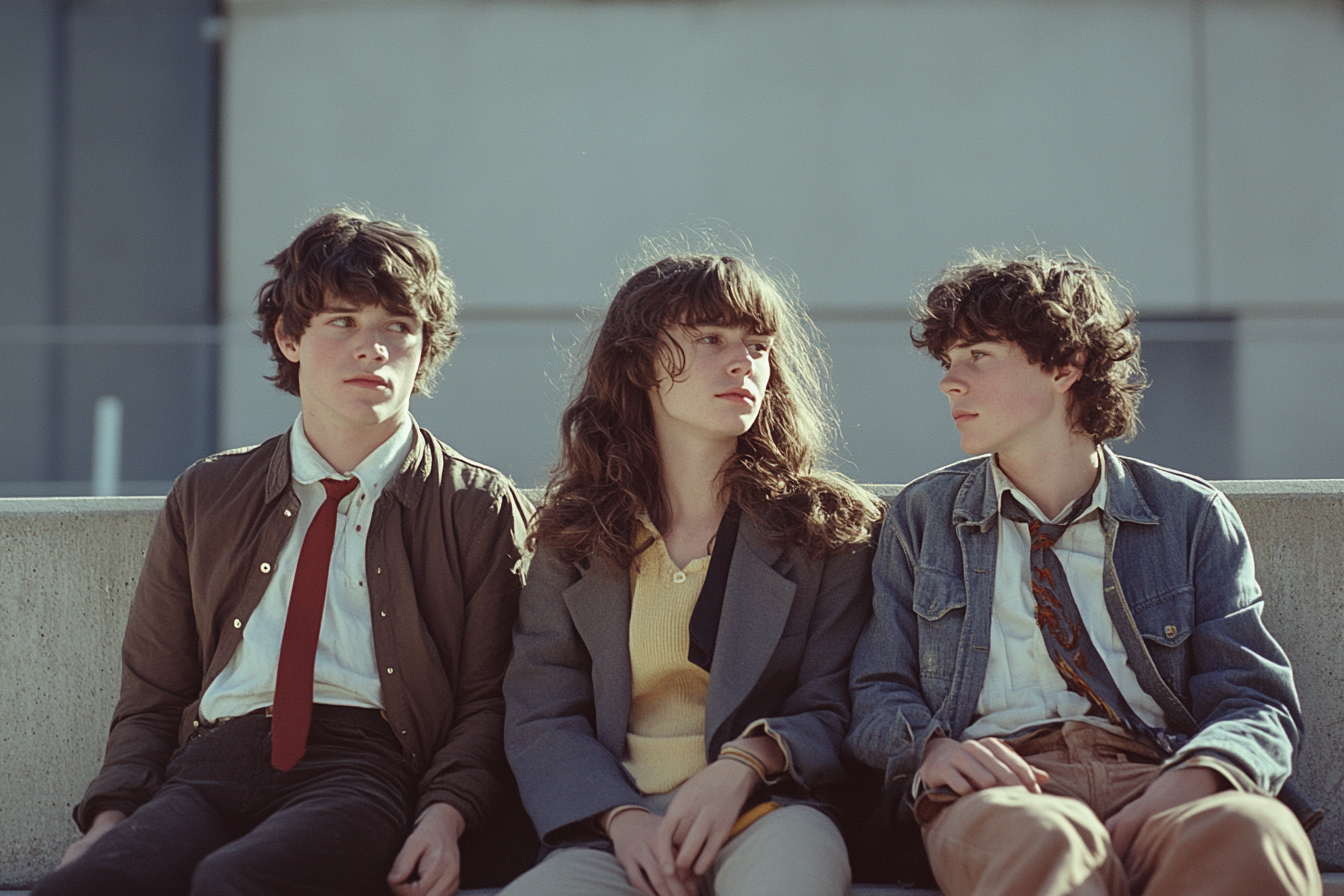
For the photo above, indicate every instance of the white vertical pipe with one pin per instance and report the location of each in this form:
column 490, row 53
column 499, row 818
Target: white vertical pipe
column 107, row 413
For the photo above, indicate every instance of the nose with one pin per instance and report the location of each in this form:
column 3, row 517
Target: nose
column 951, row 383
column 370, row 346
column 739, row 360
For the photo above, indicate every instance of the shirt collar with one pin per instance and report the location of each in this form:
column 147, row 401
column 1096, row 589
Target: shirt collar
column 373, row 472
column 1003, row 484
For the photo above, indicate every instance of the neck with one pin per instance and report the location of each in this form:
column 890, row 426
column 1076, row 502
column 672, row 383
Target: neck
column 1057, row 476
column 690, row 480
column 345, row 447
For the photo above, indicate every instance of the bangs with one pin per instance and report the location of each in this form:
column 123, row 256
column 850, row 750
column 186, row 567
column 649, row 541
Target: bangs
column 725, row 294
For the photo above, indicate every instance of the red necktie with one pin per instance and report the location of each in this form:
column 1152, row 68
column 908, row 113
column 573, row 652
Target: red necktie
column 293, row 709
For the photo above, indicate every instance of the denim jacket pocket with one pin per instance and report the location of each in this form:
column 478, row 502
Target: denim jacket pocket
column 937, row 593
column 1167, row 619
column 1165, row 623
column 940, row 605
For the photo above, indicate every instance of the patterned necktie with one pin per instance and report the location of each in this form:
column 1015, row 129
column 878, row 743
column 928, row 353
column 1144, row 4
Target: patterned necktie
column 293, row 708
column 1066, row 638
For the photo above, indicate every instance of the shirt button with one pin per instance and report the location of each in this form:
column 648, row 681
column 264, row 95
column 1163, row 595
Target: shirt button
column 237, row 623
column 265, row 567
column 678, row 577
column 1170, row 631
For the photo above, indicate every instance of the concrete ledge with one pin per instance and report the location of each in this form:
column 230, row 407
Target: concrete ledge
column 70, row 565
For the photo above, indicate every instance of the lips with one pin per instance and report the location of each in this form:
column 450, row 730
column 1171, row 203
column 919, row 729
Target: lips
column 738, row 395
column 370, row 381
column 961, row 416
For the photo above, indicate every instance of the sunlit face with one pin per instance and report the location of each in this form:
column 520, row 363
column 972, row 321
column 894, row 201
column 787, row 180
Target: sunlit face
column 357, row 365
column 1003, row 403
column 718, row 395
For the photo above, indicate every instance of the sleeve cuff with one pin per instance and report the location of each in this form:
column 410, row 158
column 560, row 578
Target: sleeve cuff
column 762, row 727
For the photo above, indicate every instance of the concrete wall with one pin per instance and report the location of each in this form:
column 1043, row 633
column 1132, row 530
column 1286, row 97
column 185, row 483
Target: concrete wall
column 1195, row 147
column 70, row 566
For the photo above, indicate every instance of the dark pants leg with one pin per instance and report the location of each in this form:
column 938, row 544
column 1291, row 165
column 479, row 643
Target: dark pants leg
column 225, row 822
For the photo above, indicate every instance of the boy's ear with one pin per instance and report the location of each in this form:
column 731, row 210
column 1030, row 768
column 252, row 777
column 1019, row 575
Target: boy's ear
column 1067, row 374
column 289, row 345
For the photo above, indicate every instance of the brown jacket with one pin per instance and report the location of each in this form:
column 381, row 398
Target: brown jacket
column 445, row 564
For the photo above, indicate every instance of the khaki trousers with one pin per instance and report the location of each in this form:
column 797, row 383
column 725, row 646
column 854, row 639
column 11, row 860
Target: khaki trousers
column 792, row 851
column 1007, row 841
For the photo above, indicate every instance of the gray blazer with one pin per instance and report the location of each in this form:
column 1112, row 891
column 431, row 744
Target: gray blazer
column 788, row 628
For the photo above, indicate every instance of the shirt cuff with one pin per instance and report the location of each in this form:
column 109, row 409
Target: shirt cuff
column 762, row 727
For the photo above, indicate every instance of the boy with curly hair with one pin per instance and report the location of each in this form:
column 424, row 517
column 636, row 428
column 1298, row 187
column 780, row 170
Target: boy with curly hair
column 1067, row 670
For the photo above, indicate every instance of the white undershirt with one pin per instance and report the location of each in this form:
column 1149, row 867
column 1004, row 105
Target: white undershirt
column 1022, row 686
column 345, row 672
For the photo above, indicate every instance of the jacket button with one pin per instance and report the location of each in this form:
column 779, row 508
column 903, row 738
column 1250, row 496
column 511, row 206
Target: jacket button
column 265, row 567
column 237, row 623
column 195, row 723
column 288, row 512
column 389, row 670
column 1170, row 631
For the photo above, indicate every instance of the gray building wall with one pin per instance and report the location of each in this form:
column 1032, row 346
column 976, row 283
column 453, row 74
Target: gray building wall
column 1195, row 148
column 107, row 241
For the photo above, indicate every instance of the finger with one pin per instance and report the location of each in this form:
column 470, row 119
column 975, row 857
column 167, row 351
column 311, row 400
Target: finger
column 662, row 849
column 635, row 875
column 1002, row 763
column 954, row 779
column 403, row 867
column 662, row 884
column 710, row 851
column 1019, row 768
column 691, row 846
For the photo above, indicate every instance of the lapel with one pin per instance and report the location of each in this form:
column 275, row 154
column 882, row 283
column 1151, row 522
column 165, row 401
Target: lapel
column 756, row 604
column 599, row 604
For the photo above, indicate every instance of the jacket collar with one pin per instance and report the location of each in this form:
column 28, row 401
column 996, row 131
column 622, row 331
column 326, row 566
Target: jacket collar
column 978, row 504
column 406, row 486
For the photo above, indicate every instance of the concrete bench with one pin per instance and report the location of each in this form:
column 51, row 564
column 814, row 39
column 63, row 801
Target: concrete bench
column 69, row 567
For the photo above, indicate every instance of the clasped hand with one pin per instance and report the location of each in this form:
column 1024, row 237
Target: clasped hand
column 667, row 856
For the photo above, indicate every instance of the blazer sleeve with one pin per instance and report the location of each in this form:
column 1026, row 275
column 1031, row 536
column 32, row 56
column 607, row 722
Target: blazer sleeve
column 565, row 774
column 812, row 719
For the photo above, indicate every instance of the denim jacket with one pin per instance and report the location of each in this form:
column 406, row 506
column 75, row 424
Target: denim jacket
column 1179, row 583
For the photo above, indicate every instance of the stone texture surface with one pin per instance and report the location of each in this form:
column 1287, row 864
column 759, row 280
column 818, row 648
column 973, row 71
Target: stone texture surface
column 68, row 573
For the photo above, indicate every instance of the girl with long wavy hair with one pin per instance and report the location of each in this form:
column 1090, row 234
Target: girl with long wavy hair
column 678, row 693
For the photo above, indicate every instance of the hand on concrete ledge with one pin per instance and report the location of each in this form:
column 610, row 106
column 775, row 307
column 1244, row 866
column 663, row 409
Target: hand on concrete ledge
column 102, row 823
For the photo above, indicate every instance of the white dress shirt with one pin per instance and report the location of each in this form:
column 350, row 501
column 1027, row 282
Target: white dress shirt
column 345, row 672
column 1022, row 686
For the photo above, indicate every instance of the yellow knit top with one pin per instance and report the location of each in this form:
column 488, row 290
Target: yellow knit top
column 666, row 737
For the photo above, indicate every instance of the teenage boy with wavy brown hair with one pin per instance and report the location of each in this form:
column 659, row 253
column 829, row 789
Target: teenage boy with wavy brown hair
column 1066, row 669
column 310, row 697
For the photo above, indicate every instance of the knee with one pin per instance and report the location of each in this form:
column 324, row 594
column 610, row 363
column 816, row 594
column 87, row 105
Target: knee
column 221, row 874
column 1043, row 821
column 1239, row 822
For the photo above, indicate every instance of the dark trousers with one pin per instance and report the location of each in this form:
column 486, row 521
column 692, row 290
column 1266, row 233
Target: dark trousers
column 226, row 822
